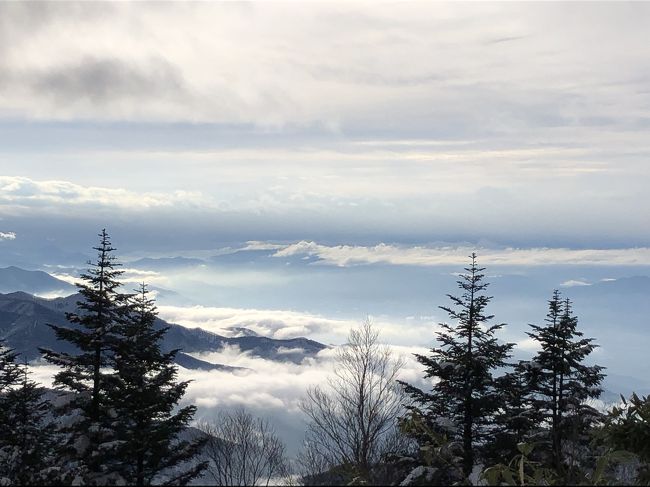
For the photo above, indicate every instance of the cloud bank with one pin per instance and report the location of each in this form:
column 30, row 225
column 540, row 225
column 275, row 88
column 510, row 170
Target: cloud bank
column 271, row 323
column 21, row 193
column 348, row 255
column 284, row 324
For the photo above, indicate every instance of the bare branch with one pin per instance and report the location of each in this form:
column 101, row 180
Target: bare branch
column 243, row 450
column 353, row 421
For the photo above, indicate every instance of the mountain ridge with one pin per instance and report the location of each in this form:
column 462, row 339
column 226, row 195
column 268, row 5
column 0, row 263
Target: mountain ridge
column 14, row 278
column 24, row 318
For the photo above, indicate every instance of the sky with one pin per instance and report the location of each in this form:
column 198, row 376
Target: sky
column 321, row 162
column 181, row 126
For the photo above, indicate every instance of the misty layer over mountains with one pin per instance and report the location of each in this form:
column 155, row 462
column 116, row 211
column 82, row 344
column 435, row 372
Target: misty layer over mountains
column 255, row 292
column 25, row 318
column 36, row 282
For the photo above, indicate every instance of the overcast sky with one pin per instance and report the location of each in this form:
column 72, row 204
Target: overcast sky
column 368, row 148
column 182, row 125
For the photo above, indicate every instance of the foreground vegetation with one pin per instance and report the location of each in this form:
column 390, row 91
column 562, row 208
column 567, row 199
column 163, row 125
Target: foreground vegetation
column 485, row 419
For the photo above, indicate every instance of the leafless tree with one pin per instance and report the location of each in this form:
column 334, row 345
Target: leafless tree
column 243, row 450
column 353, row 421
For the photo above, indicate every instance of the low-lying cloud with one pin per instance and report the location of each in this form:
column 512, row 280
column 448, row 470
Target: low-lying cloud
column 268, row 388
column 273, row 389
column 574, row 283
column 271, row 323
column 286, row 324
column 129, row 277
column 348, row 255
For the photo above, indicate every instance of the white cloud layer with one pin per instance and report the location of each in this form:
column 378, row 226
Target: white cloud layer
column 20, row 193
column 130, row 277
column 7, row 236
column 273, row 384
column 271, row 323
column 347, row 255
column 575, row 282
column 396, row 200
column 284, row 324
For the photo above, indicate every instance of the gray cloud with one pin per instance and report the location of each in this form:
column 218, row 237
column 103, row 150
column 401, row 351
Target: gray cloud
column 103, row 81
column 326, row 64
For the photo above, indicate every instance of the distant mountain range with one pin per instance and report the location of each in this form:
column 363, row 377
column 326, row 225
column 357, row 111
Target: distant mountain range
column 34, row 282
column 150, row 263
column 240, row 258
column 24, row 319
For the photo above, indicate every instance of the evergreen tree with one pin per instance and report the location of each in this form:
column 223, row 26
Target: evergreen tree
column 89, row 449
column 517, row 421
column 10, row 371
column 146, row 393
column 27, row 437
column 564, row 383
column 464, row 399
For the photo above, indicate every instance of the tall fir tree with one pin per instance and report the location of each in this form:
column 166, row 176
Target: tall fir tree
column 146, row 394
column 564, row 383
column 27, row 436
column 90, row 445
column 464, row 399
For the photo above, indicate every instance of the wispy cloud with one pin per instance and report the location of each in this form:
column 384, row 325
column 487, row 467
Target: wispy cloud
column 69, row 278
column 575, row 282
column 7, row 236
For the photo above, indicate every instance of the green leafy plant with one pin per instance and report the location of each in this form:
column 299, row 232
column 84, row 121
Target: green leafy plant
column 520, row 471
column 627, row 427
